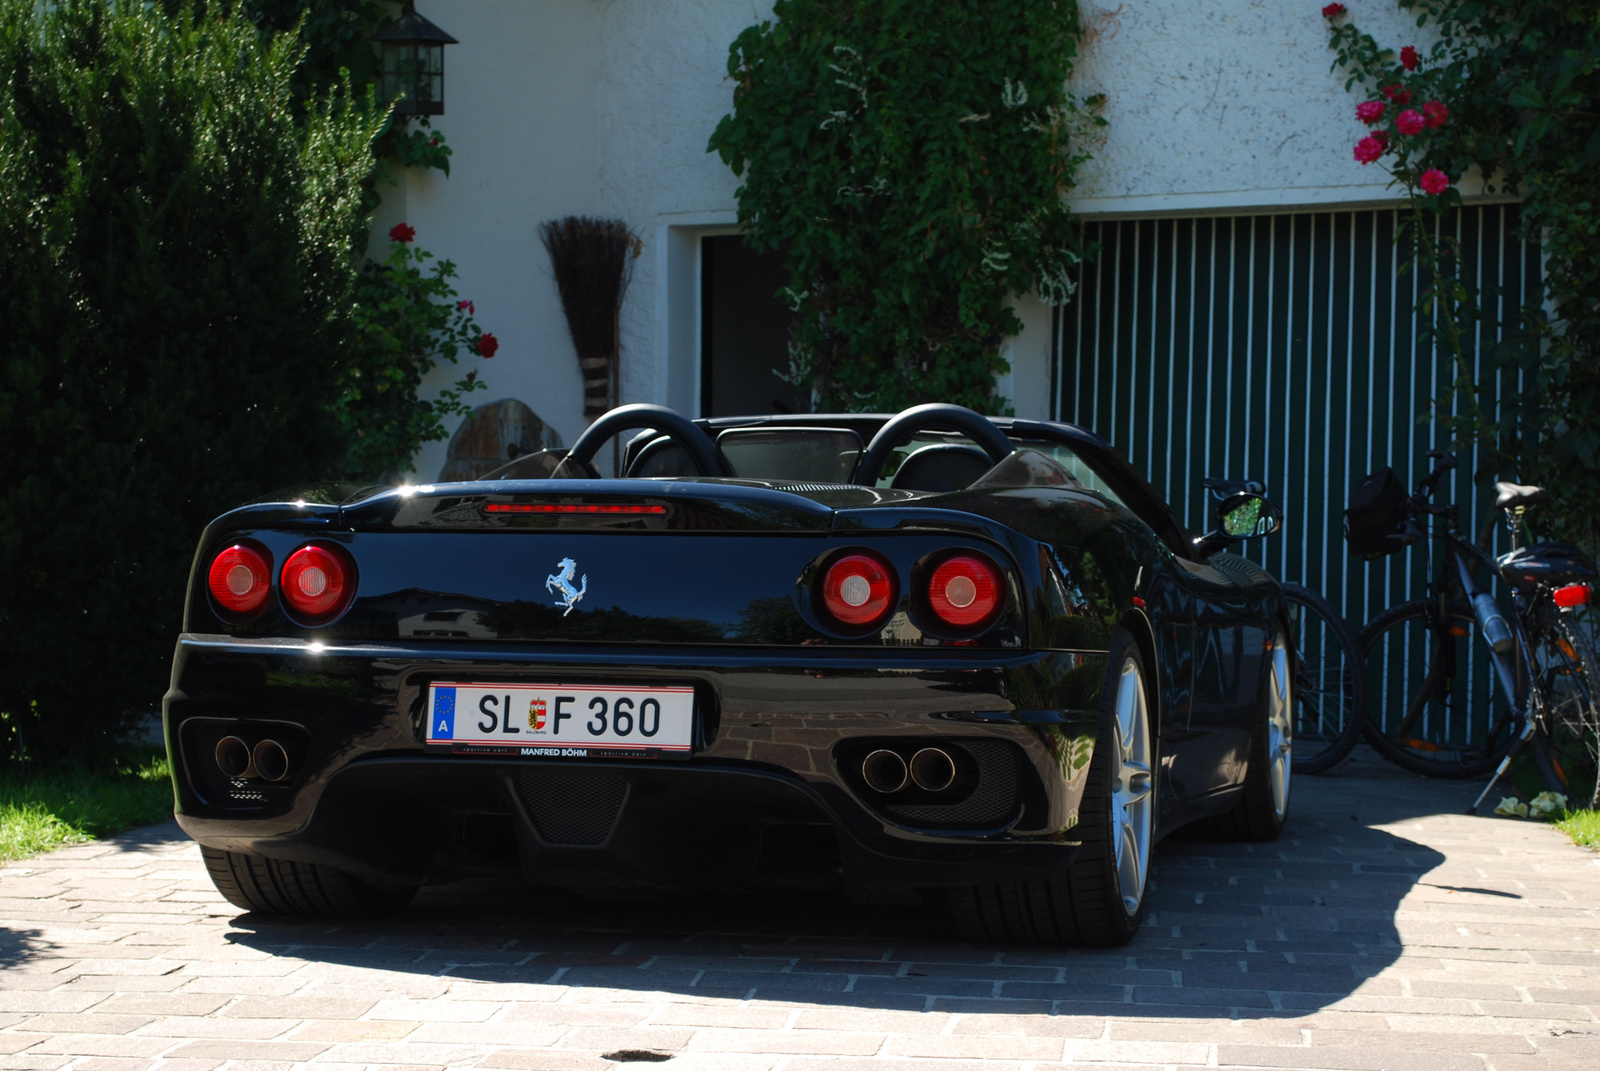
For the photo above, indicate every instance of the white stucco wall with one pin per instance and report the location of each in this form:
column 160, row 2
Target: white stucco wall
column 1226, row 105
column 604, row 107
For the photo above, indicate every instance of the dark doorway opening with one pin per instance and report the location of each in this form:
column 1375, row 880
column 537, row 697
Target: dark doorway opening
column 744, row 331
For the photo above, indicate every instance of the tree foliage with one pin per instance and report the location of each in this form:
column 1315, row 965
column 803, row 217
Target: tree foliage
column 1521, row 80
column 176, row 290
column 913, row 160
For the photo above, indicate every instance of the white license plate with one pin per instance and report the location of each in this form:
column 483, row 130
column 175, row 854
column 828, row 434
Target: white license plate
column 562, row 720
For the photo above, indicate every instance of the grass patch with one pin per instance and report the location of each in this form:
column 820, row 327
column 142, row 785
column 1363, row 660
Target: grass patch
column 1583, row 827
column 72, row 804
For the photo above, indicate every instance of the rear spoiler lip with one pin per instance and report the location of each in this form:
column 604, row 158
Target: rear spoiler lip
column 693, row 489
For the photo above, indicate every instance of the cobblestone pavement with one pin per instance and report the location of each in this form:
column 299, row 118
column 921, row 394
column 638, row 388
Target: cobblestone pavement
column 1384, row 930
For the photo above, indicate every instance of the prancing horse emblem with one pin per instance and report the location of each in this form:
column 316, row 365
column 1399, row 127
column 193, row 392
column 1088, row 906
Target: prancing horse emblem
column 563, row 581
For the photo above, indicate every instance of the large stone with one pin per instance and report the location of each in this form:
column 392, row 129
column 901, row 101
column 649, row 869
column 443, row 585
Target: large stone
column 494, row 434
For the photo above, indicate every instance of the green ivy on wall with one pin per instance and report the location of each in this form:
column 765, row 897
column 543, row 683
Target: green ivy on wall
column 913, row 161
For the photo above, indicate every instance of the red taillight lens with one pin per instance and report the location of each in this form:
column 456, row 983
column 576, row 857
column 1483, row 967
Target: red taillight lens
column 965, row 592
column 317, row 581
column 239, row 579
column 858, row 590
column 1570, row 596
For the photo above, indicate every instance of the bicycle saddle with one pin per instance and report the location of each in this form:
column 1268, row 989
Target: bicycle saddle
column 1512, row 495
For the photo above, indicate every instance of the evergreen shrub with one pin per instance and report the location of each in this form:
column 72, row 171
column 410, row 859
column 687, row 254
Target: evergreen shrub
column 175, row 294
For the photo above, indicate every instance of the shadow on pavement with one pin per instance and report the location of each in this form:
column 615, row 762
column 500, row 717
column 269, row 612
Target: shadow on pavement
column 1233, row 931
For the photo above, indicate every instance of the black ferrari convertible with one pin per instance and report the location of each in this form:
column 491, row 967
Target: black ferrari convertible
column 928, row 655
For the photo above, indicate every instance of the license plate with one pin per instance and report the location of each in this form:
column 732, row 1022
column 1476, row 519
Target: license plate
column 561, row 720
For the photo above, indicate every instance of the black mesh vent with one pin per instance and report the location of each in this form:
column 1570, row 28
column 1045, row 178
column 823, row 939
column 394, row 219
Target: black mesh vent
column 571, row 806
column 992, row 803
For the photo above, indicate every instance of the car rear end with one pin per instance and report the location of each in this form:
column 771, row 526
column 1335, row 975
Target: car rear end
column 633, row 685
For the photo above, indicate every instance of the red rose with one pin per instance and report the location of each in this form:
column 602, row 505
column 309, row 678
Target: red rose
column 1435, row 181
column 487, row 344
column 1409, row 122
column 1436, row 113
column 1333, row 11
column 1408, row 58
column 1370, row 112
column 1368, row 149
column 1399, row 94
column 402, row 232
column 472, row 310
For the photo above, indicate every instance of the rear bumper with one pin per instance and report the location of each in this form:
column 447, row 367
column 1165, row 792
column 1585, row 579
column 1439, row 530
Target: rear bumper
column 763, row 800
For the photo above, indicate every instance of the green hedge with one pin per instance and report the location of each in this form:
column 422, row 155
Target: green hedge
column 175, row 294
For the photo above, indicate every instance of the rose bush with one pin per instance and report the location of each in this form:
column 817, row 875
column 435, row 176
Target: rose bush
column 409, row 319
column 1511, row 87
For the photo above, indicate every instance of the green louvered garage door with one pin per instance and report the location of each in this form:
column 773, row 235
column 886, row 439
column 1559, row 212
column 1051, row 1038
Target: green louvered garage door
column 1280, row 348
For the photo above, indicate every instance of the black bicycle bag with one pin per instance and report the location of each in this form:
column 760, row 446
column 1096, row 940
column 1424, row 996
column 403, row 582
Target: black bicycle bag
column 1374, row 525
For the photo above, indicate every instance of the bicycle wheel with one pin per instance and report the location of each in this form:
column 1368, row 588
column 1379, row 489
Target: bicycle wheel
column 1433, row 705
column 1564, row 745
column 1329, row 684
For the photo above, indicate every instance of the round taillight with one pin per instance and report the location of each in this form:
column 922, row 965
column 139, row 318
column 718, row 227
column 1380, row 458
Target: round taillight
column 858, row 590
column 965, row 592
column 239, row 579
column 317, row 581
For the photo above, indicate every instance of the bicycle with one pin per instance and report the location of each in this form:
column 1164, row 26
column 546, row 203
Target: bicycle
column 1329, row 685
column 1434, row 709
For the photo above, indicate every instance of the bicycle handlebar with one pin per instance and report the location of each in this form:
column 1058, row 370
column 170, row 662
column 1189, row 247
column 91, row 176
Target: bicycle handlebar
column 1446, row 462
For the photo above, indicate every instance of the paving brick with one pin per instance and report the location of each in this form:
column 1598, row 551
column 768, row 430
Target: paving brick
column 156, row 1004
column 102, row 1045
column 728, row 1015
column 798, row 1042
column 544, row 1060
column 967, row 1047
column 16, row 1042
column 285, row 1052
column 454, row 1011
column 611, row 1039
column 1376, row 1057
column 500, row 1032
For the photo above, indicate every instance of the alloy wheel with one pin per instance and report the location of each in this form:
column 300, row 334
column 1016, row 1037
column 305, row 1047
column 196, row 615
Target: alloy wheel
column 1132, row 801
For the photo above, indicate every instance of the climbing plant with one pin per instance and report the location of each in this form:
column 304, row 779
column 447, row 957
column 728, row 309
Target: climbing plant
column 913, row 162
column 1513, row 88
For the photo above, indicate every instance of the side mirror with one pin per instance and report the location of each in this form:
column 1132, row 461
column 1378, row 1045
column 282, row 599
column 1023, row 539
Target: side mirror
column 1241, row 516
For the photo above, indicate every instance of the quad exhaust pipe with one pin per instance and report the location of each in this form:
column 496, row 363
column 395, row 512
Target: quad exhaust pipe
column 931, row 769
column 238, row 761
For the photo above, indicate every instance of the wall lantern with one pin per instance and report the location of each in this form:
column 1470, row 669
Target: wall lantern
column 413, row 63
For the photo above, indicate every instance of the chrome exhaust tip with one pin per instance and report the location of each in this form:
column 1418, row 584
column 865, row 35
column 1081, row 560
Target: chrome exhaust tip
column 884, row 771
column 271, row 760
column 933, row 770
column 234, row 758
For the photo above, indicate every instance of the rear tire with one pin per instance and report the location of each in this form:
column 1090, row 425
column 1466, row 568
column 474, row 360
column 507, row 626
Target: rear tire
column 286, row 887
column 1099, row 899
column 1564, row 746
column 1263, row 808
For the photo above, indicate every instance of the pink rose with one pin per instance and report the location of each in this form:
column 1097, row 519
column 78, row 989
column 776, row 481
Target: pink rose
column 1408, row 58
column 1409, row 122
column 1368, row 149
column 1436, row 113
column 1435, row 181
column 487, row 344
column 402, row 232
column 472, row 310
column 1333, row 11
column 1370, row 111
